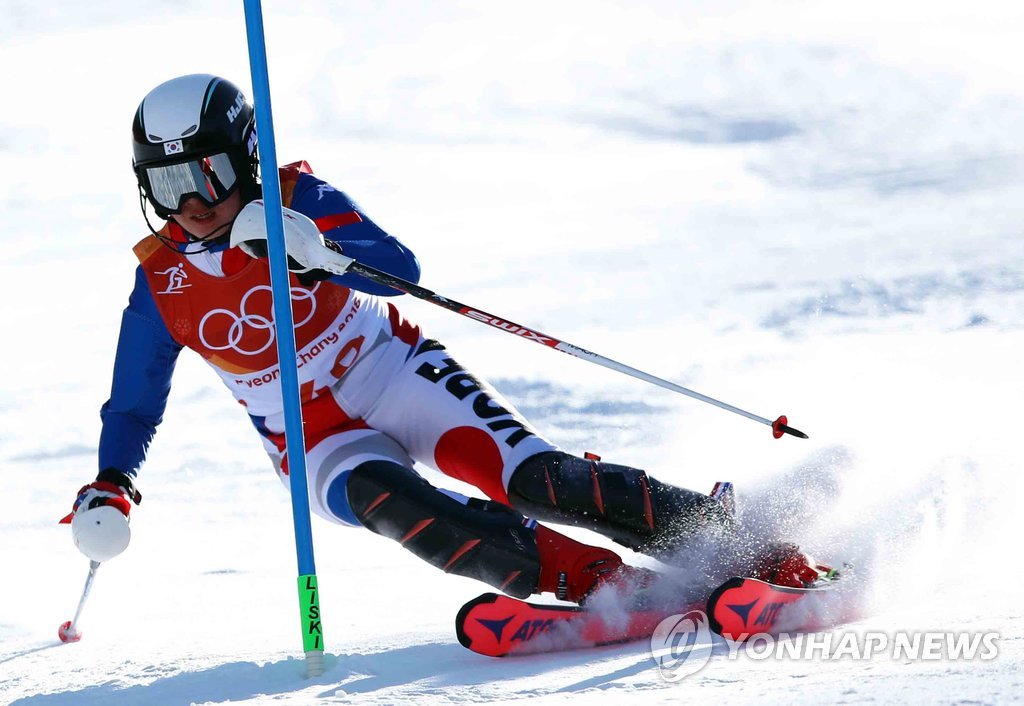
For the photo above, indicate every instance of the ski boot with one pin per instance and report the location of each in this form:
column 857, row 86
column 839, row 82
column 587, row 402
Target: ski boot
column 574, row 571
column 620, row 502
column 785, row 564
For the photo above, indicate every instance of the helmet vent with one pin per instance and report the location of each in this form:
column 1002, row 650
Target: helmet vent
column 190, row 131
column 155, row 138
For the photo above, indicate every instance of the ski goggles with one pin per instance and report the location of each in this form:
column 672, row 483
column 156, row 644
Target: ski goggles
column 211, row 179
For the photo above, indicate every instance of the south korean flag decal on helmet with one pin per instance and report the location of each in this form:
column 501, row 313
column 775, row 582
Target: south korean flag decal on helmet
column 172, row 147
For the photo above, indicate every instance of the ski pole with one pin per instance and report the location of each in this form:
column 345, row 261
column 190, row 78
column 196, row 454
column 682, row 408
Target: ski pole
column 68, row 631
column 779, row 426
column 338, row 263
column 309, row 601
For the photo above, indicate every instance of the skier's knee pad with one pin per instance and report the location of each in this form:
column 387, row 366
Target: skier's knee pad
column 620, row 502
column 336, row 501
column 480, row 539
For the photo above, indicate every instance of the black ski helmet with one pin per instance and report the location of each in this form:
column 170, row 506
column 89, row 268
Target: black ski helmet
column 194, row 135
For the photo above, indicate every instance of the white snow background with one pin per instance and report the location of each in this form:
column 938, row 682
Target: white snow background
column 811, row 208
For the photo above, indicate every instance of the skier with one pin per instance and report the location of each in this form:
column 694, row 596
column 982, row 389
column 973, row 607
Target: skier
column 376, row 393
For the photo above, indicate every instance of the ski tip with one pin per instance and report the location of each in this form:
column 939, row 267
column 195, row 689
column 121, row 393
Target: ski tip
column 743, row 607
column 462, row 618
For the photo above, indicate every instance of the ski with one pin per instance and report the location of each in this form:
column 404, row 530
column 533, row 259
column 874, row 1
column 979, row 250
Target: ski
column 742, row 607
column 499, row 626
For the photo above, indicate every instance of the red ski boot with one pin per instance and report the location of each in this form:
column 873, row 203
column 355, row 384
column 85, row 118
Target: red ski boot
column 784, row 564
column 573, row 570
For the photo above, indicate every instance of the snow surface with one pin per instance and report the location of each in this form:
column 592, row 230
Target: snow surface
column 801, row 207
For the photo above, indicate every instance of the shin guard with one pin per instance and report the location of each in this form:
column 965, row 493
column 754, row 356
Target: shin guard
column 480, row 539
column 620, row 502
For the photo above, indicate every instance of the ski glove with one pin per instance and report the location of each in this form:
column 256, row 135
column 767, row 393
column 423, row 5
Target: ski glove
column 310, row 256
column 99, row 518
column 307, row 277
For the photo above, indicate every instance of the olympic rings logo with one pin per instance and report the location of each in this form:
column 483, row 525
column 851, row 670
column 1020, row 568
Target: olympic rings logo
column 243, row 322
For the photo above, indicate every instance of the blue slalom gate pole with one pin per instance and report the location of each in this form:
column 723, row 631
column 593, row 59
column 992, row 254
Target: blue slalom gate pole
column 309, row 603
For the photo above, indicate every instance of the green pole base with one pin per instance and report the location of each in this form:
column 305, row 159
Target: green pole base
column 309, row 616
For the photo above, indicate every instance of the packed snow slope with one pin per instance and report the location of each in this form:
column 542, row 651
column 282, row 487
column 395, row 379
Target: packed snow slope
column 810, row 208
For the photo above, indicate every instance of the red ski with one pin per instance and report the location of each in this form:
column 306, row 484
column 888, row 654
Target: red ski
column 497, row 626
column 742, row 607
